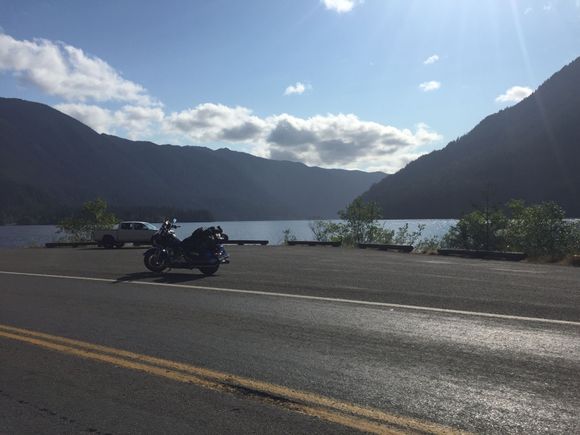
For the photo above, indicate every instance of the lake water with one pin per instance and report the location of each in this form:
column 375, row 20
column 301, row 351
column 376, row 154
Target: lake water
column 37, row 235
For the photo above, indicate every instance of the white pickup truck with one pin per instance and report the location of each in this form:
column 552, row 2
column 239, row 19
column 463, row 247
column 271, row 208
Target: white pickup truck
column 125, row 232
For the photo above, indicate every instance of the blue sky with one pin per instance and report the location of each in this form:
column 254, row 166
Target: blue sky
column 336, row 83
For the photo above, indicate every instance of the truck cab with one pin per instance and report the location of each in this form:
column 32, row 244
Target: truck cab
column 125, row 232
column 135, row 231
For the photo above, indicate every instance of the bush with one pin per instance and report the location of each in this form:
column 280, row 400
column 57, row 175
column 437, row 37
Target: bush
column 326, row 231
column 360, row 225
column 404, row 237
column 288, row 236
column 361, row 222
column 91, row 217
column 480, row 229
column 428, row 246
column 540, row 230
column 576, row 237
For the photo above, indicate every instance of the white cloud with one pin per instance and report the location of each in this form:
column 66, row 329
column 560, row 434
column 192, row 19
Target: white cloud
column 528, row 11
column 216, row 123
column 329, row 140
column 67, row 72
column 297, row 89
column 341, row 6
column 139, row 122
column 136, row 122
column 342, row 140
column 548, row 6
column 515, row 94
column 431, row 59
column 99, row 119
column 82, row 81
column 430, row 86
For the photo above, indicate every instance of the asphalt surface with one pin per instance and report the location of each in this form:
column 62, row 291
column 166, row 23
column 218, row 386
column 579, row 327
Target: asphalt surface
column 479, row 346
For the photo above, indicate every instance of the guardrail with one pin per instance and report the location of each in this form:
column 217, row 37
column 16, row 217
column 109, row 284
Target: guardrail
column 245, row 242
column 488, row 255
column 385, row 247
column 313, row 243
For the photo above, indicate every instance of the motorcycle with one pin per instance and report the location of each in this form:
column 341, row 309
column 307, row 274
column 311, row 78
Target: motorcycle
column 202, row 250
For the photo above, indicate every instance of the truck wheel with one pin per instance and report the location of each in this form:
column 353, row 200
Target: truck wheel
column 108, row 242
column 119, row 245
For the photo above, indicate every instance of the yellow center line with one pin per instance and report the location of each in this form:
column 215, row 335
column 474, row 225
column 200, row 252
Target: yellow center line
column 332, row 410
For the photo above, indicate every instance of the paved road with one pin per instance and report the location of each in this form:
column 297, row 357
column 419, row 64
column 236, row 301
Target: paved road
column 287, row 340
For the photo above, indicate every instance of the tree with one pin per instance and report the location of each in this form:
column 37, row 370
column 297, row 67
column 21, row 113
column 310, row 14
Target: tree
column 360, row 225
column 483, row 228
column 361, row 221
column 288, row 236
column 480, row 229
column 541, row 230
column 92, row 216
column 326, row 231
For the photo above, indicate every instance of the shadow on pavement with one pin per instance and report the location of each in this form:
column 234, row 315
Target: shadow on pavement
column 164, row 278
column 124, row 248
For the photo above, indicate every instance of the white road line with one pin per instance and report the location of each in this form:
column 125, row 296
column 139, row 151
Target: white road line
column 505, row 269
column 435, row 262
column 305, row 297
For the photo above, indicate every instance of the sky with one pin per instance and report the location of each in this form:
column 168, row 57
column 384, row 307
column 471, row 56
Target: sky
column 355, row 84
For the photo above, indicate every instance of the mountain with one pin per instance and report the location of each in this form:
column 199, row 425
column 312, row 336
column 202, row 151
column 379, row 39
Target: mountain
column 51, row 163
column 530, row 151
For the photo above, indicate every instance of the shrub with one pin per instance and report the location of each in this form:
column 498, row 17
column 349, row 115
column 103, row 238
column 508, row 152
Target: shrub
column 404, row 237
column 91, row 217
column 361, row 222
column 360, row 225
column 288, row 236
column 325, row 231
column 541, row 230
column 428, row 246
column 480, row 229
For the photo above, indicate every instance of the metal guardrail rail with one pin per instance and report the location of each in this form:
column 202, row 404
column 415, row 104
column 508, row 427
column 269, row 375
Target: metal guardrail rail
column 488, row 255
column 385, row 247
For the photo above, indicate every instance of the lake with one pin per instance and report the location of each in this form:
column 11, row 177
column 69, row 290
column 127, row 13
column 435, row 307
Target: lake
column 37, row 235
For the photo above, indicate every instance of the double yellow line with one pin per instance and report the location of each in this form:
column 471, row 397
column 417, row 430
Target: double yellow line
column 332, row 410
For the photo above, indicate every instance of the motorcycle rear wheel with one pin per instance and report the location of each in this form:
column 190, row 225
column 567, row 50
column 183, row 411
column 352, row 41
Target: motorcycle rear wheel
column 209, row 270
column 154, row 262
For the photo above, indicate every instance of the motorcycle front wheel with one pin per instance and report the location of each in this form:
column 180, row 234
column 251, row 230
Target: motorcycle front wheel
column 209, row 270
column 154, row 262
